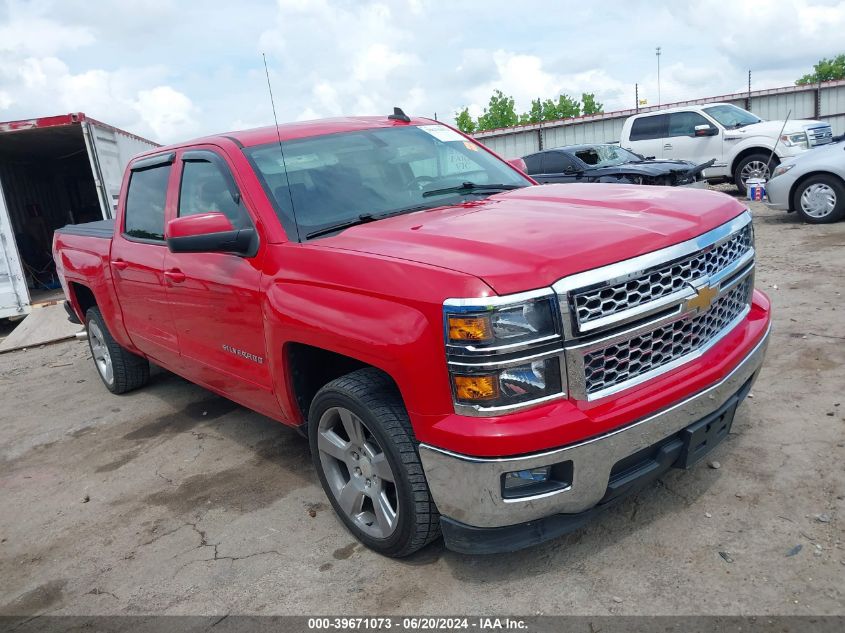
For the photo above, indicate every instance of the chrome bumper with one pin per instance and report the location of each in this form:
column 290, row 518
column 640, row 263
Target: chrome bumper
column 468, row 489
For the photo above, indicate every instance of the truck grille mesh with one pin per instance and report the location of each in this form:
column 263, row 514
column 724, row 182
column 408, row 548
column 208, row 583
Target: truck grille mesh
column 619, row 362
column 660, row 281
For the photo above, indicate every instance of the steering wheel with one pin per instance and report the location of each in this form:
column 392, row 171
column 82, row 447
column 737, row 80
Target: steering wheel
column 421, row 181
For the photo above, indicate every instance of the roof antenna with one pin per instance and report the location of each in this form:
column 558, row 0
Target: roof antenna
column 281, row 149
column 399, row 115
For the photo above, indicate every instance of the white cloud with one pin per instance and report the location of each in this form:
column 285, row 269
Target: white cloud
column 171, row 69
column 168, row 112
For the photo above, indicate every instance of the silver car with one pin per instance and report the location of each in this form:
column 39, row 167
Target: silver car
column 813, row 184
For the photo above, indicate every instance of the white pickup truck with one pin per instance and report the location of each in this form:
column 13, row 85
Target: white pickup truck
column 740, row 142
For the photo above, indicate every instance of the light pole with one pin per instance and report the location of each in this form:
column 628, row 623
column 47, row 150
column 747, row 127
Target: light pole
column 658, row 75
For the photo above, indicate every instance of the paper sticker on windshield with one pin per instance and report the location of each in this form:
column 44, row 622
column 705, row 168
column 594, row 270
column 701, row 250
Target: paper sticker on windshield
column 442, row 133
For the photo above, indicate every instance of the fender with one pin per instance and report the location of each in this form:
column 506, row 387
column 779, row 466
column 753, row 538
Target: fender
column 402, row 340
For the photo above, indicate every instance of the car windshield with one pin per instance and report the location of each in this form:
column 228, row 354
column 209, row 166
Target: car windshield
column 606, row 156
column 730, row 116
column 349, row 177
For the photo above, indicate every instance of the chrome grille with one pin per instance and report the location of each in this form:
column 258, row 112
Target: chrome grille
column 620, row 362
column 661, row 281
column 820, row 135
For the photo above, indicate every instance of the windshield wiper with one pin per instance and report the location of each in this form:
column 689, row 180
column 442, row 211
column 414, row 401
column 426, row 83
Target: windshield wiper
column 361, row 219
column 470, row 187
column 364, row 218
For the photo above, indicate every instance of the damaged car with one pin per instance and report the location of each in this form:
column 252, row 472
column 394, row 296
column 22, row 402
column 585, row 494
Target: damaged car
column 606, row 162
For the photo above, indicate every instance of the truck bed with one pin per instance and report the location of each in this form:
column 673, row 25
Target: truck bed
column 100, row 228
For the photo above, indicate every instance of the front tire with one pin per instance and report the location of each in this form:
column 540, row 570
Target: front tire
column 119, row 369
column 820, row 199
column 754, row 166
column 365, row 454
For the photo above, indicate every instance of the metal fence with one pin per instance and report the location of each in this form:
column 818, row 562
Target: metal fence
column 825, row 102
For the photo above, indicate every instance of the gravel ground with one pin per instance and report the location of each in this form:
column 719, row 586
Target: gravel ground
column 173, row 500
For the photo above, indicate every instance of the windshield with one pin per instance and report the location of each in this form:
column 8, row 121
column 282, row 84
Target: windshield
column 731, row 116
column 337, row 178
column 606, row 156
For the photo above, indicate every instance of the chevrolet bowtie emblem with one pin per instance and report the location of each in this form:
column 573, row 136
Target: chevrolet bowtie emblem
column 703, row 298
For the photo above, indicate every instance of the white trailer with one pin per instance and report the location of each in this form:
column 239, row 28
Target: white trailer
column 54, row 171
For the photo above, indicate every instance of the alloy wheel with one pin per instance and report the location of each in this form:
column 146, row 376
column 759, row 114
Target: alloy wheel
column 100, row 352
column 358, row 473
column 755, row 169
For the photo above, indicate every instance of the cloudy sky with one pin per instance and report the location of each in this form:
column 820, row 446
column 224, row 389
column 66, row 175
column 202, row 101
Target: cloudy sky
column 171, row 69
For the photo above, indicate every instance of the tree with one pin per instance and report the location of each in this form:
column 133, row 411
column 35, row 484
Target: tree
column 590, row 105
column 500, row 112
column 825, row 70
column 567, row 107
column 464, row 121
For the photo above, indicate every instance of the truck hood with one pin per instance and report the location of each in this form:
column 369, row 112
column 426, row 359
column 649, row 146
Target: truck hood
column 529, row 238
column 771, row 129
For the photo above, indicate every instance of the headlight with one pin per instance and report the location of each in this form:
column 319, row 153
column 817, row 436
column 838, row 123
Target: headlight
column 501, row 387
column 500, row 325
column 503, row 352
column 780, row 170
column 798, row 139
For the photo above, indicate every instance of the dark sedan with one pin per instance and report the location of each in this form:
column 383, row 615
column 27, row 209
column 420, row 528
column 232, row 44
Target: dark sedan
column 611, row 163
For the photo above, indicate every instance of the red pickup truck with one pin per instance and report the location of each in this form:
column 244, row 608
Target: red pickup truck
column 469, row 353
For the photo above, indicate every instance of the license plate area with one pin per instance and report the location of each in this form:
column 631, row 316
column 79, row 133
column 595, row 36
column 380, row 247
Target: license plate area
column 703, row 436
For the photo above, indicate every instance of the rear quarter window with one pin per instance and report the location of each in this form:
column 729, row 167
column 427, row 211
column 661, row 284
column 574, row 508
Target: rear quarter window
column 649, row 127
column 145, row 202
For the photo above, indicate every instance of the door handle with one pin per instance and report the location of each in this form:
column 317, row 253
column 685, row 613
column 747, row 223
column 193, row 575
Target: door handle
column 119, row 264
column 174, row 276
column 667, row 146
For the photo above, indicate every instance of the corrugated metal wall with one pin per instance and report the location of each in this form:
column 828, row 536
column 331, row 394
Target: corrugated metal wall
column 605, row 128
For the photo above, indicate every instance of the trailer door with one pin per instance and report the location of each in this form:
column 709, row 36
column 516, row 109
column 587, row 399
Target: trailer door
column 14, row 297
column 109, row 150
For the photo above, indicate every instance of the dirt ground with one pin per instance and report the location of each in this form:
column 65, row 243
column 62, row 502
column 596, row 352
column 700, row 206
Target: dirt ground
column 173, row 500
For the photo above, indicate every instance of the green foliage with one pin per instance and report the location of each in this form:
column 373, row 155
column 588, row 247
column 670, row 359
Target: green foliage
column 590, row 105
column 500, row 112
column 464, row 121
column 825, row 70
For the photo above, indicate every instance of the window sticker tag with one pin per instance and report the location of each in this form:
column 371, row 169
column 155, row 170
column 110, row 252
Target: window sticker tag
column 442, row 133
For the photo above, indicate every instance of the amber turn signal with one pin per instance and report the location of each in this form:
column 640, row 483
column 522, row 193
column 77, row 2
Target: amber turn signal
column 476, row 388
column 469, row 328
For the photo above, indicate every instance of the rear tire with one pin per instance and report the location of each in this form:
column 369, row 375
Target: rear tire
column 820, row 199
column 119, row 369
column 754, row 166
column 366, row 457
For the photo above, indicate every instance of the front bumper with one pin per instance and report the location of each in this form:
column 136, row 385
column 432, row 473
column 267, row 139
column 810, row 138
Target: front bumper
column 468, row 490
column 777, row 192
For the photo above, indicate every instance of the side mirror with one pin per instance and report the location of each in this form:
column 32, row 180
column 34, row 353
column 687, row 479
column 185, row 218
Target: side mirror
column 571, row 169
column 209, row 233
column 519, row 164
column 705, row 130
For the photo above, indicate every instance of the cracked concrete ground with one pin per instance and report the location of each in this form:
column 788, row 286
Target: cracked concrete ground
column 173, row 500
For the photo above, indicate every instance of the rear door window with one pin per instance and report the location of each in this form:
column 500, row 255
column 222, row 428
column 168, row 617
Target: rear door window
column 534, row 164
column 649, row 127
column 683, row 123
column 145, row 203
column 556, row 163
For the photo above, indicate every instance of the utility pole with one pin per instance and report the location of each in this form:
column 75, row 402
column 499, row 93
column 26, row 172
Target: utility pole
column 636, row 97
column 748, row 98
column 658, row 75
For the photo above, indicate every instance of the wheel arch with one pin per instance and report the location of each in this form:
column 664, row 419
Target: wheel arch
column 309, row 368
column 748, row 151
